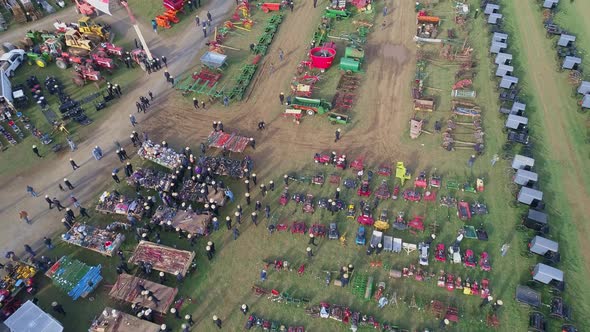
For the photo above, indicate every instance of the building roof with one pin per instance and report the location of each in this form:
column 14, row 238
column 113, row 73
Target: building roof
column 550, row 3
column 514, row 121
column 507, row 81
column 545, row 273
column 586, row 101
column 503, row 70
column 499, row 36
column 491, row 8
column 565, row 39
column 497, row 47
column 570, row 61
column 30, row 318
column 584, row 87
column 501, row 58
column 493, row 18
column 538, row 216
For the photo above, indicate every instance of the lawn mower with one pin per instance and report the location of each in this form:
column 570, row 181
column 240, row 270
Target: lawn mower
column 357, row 164
column 366, row 217
column 384, row 170
column 423, row 252
column 341, row 162
column 382, row 191
column 448, row 201
column 435, row 181
column 440, row 254
column 412, row 195
column 382, row 223
column 298, row 227
column 360, row 236
column 351, row 211
column 455, row 253
column 318, row 230
column 469, row 258
column 333, row 232
column 484, row 262
column 420, row 181
column 463, row 211
column 479, row 208
column 318, row 179
column 364, row 190
column 350, row 183
column 308, row 204
column 400, row 223
column 284, row 198
column 395, row 193
column 430, row 196
column 298, row 197
column 416, row 224
column 320, row 158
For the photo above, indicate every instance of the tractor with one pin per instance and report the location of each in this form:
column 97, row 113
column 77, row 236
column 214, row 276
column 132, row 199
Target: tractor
column 77, row 43
column 84, row 74
column 95, row 32
column 97, row 60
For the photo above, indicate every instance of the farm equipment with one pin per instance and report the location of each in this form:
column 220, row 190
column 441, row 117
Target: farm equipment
column 469, row 258
column 352, row 60
column 77, row 44
column 416, row 224
column 537, row 322
column 420, row 181
column 401, row 172
column 528, row 296
column 400, row 222
column 382, row 191
column 384, row 170
column 364, row 189
column 479, row 208
column 366, row 217
column 559, row 309
column 333, row 232
column 484, row 262
column 424, row 104
column 95, row 32
column 298, row 227
column 308, row 206
column 310, row 106
column 412, row 195
column 360, row 236
column 351, row 211
column 270, row 7
column 382, row 224
column 423, row 253
column 440, row 254
column 463, row 210
column 83, row 74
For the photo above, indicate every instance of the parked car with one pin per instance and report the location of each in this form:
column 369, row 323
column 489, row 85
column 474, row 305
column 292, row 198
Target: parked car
column 11, row 60
column 423, row 251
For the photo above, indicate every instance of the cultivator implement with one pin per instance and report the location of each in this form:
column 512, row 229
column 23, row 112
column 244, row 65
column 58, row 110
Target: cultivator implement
column 359, row 284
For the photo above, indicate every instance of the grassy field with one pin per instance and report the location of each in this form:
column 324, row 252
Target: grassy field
column 220, row 286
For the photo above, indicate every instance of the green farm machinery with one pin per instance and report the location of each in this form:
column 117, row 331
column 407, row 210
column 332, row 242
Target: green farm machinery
column 352, row 60
column 310, row 105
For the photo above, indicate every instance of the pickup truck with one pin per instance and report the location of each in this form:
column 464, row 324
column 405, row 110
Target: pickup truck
column 11, row 60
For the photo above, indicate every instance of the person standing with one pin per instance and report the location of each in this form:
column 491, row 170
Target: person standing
column 165, row 61
column 57, row 204
column 48, row 243
column 208, row 16
column 309, row 252
column 49, row 201
column 58, row 308
column 36, row 151
column 30, row 250
column 68, row 184
column 132, row 120
column 71, row 144
column 31, row 191
column 115, row 177
column 209, row 253
column 204, row 30
column 282, row 98
column 337, row 135
column 74, row 201
column 312, row 239
column 195, row 103
column 281, row 54
column 197, row 21
column 225, row 101
column 24, row 215
column 83, row 212
column 155, row 26
column 74, row 165
column 217, row 321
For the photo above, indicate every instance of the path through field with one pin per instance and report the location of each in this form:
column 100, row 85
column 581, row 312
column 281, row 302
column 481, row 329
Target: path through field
column 559, row 131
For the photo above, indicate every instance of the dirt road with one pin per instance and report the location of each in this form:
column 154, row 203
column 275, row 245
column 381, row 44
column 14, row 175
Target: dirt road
column 560, row 126
column 91, row 176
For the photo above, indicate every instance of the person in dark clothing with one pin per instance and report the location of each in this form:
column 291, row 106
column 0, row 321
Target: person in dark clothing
column 217, row 321
column 74, row 165
column 337, row 135
column 30, row 250
column 49, row 201
column 68, row 184
column 58, row 308
column 61, row 188
column 83, row 212
column 257, row 206
column 244, row 309
column 57, row 203
column 115, row 177
column 254, row 178
column 311, row 239
column 209, row 253
column 165, row 61
column 208, row 16
column 124, row 154
column 228, row 222
column 36, row 151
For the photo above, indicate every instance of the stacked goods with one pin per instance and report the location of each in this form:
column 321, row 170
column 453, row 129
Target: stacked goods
column 74, row 277
column 230, row 142
column 191, row 192
column 188, row 221
column 115, row 203
column 162, row 258
column 16, row 273
column 94, row 238
column 148, row 178
column 226, row 166
column 112, row 320
column 160, row 155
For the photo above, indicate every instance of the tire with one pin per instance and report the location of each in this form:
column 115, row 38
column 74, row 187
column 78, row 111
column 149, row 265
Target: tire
column 310, row 112
column 40, row 63
column 61, row 64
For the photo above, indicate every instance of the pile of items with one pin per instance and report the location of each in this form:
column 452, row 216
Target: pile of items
column 74, row 277
column 112, row 320
column 18, row 275
column 230, row 142
column 129, row 289
column 191, row 192
column 162, row 258
column 226, row 166
column 148, row 178
column 188, row 221
column 115, row 203
column 96, row 239
column 160, row 155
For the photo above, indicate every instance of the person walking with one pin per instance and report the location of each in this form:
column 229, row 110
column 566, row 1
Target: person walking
column 225, row 101
column 209, row 16
column 57, row 204
column 244, row 308
column 58, row 308
column 204, row 30
column 74, row 201
column 68, row 184
column 312, row 239
column 83, row 212
column 209, row 253
column 281, row 54
column 48, row 243
column 71, row 144
column 115, row 177
column 155, row 26
column 97, row 153
column 165, row 61
column 36, row 151
column 217, row 321
column 197, row 21
column 132, row 120
column 202, row 104
column 49, row 201
column 74, row 165
column 228, row 222
column 282, row 98
column 31, row 191
column 309, row 252
column 24, row 215
column 236, row 233
column 385, row 11
column 30, row 250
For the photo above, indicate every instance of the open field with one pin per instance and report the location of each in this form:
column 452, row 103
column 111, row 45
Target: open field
column 379, row 132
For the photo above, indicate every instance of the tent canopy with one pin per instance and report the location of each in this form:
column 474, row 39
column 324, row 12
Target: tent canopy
column 30, row 318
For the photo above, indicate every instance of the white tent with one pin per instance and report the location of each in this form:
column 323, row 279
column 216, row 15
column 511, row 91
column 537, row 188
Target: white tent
column 31, row 318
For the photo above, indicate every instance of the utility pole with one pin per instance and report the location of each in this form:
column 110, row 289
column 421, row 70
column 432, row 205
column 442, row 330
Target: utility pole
column 136, row 27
